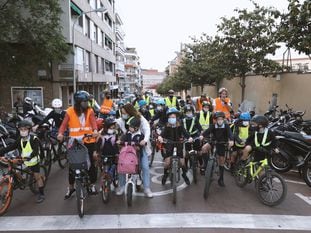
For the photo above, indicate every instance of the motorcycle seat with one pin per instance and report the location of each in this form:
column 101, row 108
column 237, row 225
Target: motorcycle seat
column 298, row 136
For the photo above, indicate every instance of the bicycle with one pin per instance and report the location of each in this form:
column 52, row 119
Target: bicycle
column 109, row 176
column 174, row 169
column 16, row 176
column 79, row 163
column 266, row 180
column 211, row 167
column 155, row 144
column 193, row 159
column 52, row 150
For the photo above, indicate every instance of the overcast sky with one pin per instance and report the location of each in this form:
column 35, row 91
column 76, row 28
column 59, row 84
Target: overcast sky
column 156, row 28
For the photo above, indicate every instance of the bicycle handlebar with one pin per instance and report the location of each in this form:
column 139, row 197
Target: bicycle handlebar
column 11, row 159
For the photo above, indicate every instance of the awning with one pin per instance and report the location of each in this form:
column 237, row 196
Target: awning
column 75, row 8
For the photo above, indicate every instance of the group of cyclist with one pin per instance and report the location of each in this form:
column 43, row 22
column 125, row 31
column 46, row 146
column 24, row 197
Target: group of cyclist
column 179, row 120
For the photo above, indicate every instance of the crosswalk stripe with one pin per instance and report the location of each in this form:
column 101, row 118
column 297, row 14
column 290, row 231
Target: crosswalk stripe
column 145, row 221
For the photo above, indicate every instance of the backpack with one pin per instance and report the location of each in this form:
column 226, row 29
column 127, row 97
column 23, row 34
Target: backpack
column 128, row 161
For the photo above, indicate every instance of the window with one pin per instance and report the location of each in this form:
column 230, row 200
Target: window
column 108, row 43
column 95, row 34
column 93, row 4
column 108, row 20
column 87, row 62
column 87, row 27
column 103, row 65
column 100, row 37
column 96, row 64
column 108, row 66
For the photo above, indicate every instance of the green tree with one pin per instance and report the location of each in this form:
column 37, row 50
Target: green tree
column 247, row 40
column 30, row 37
column 295, row 28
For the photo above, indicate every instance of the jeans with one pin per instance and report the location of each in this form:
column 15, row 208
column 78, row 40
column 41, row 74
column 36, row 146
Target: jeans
column 144, row 164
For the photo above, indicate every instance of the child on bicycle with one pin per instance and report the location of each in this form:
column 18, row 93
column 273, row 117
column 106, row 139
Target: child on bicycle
column 262, row 141
column 132, row 137
column 220, row 132
column 193, row 128
column 173, row 131
column 107, row 142
column 241, row 131
column 29, row 148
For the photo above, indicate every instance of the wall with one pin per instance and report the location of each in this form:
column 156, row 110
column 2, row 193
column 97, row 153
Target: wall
column 291, row 88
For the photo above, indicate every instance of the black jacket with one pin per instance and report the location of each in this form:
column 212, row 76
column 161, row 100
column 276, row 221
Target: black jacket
column 219, row 134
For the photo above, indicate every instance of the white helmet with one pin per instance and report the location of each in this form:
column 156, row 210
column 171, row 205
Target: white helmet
column 222, row 89
column 57, row 103
column 28, row 100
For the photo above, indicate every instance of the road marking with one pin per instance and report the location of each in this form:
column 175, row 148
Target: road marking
column 147, row 221
column 303, row 197
column 295, row 182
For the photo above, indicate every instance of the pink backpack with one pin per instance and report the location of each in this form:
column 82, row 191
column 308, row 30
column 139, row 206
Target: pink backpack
column 128, row 161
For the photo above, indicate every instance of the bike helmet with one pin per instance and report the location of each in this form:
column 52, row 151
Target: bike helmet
column 134, row 123
column 151, row 106
column 80, row 96
column 182, row 102
column 142, row 103
column 109, row 122
column 219, row 114
column 260, row 120
column 112, row 113
column 205, row 103
column 188, row 108
column 24, row 123
column 245, row 116
column 57, row 103
column 120, row 104
column 171, row 91
column 28, row 100
column 160, row 102
column 172, row 111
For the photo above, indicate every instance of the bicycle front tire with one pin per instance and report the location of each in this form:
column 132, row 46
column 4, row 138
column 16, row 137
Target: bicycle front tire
column 80, row 198
column 268, row 186
column 6, row 195
column 174, row 181
column 129, row 194
column 208, row 178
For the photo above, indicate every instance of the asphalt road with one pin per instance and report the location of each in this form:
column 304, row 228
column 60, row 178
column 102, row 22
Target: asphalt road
column 227, row 209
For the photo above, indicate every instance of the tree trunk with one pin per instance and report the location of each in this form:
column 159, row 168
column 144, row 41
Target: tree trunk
column 202, row 88
column 242, row 84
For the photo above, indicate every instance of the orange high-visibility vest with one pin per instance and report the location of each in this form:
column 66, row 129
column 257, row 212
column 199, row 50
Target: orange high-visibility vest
column 106, row 106
column 220, row 107
column 76, row 129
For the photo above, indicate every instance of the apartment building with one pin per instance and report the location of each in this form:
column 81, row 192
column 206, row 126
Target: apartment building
column 151, row 79
column 132, row 82
column 92, row 36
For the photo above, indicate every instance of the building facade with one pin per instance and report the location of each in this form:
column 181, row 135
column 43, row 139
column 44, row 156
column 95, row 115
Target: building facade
column 93, row 38
column 151, row 79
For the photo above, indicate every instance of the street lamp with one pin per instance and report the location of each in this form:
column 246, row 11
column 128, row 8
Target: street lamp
column 101, row 9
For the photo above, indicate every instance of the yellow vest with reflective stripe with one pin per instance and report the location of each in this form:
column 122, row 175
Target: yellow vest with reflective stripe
column 264, row 139
column 136, row 106
column 243, row 134
column 204, row 122
column 170, row 104
column 191, row 126
column 147, row 99
column 26, row 152
column 151, row 112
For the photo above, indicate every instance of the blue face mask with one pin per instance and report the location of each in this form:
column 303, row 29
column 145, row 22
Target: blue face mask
column 125, row 116
column 172, row 121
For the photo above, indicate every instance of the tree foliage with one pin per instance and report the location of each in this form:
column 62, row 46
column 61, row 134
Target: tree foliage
column 30, row 36
column 295, row 28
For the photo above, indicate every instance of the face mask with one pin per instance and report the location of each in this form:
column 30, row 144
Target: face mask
column 58, row 110
column 189, row 115
column 24, row 133
column 245, row 123
column 143, row 109
column 159, row 108
column 261, row 130
column 172, row 121
column 171, row 96
column 205, row 109
column 84, row 105
column 220, row 122
column 125, row 116
column 111, row 131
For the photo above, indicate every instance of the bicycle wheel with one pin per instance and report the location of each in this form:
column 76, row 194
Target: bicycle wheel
column 62, row 155
column 208, row 178
column 307, row 172
column 129, row 194
column 227, row 164
column 194, row 165
column 152, row 154
column 174, row 181
column 80, row 198
column 6, row 194
column 271, row 188
column 106, row 191
column 32, row 181
column 47, row 161
column 241, row 175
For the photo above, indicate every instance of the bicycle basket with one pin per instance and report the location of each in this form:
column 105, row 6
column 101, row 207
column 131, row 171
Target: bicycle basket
column 78, row 156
